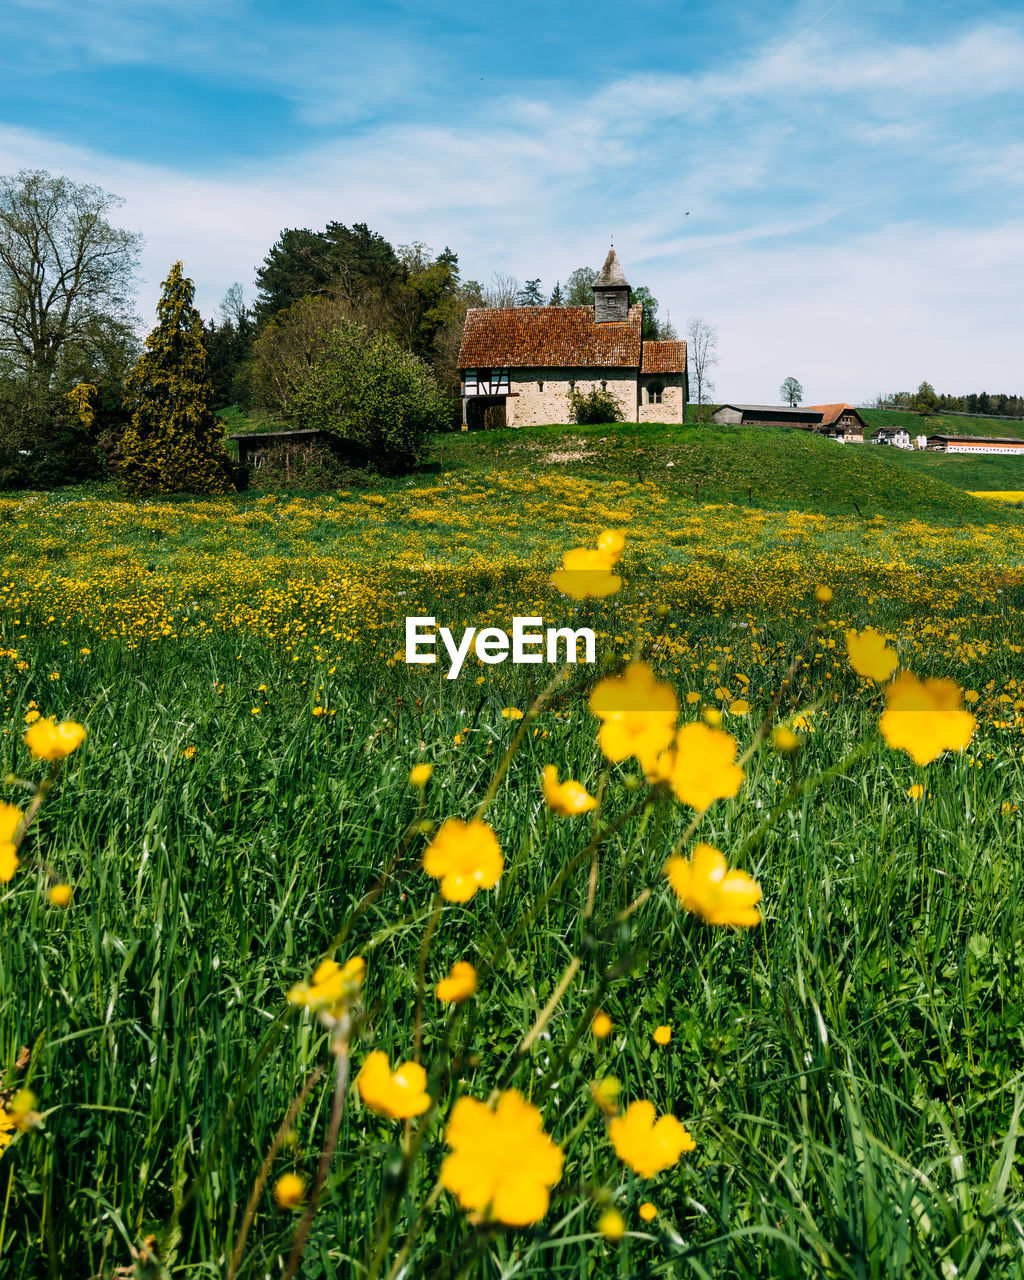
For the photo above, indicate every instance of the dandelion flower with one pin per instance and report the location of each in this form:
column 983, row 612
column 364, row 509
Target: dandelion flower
column 924, row 718
column 464, row 856
column 740, row 707
column 587, row 572
column 823, row 595
column 916, row 792
column 648, row 1143
column 706, row 887
column 459, row 985
column 565, row 798
column 60, row 895
column 870, row 656
column 49, row 741
column 502, row 1162
column 511, row 713
column 400, row 1094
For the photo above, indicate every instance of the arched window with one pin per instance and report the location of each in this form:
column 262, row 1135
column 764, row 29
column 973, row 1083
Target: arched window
column 654, row 390
column 540, row 384
column 604, row 386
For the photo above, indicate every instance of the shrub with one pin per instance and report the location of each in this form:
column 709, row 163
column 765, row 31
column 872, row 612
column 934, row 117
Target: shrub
column 595, row 406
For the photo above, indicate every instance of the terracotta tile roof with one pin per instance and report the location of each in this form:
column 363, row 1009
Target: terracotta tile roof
column 664, row 357
column 832, row 412
column 560, row 337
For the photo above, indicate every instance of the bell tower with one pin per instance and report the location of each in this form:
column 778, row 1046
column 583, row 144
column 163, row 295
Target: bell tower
column 611, row 292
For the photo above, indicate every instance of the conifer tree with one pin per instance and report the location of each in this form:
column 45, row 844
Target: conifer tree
column 175, row 442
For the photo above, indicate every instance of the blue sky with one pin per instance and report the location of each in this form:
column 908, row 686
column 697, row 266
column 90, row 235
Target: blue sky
column 836, row 186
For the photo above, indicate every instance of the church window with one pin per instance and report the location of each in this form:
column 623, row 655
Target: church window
column 654, row 390
column 604, row 386
column 540, row 384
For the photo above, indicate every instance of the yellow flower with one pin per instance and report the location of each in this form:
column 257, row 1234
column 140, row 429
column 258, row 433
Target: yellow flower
column 511, row 713
column 713, row 717
column 502, row 1162
column 464, row 856
column 601, row 1027
column 700, row 767
column 289, row 1190
column 400, row 1093
column 10, row 817
column 606, row 1094
column 823, row 595
column 971, row 696
column 420, row 774
column 784, row 739
column 924, row 718
column 693, row 698
column 869, row 654
column 707, row 888
column 647, row 1211
column 662, row 1034
column 255, row 711
column 565, row 798
column 587, row 572
column 31, row 716
column 916, row 792
column 459, row 985
column 637, row 714
column 646, row 1142
column 60, row 895
column 739, row 708
column 49, row 741
column 334, row 988
column 612, row 1225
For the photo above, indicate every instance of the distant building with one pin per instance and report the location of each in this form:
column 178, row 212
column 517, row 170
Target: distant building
column 523, row 361
column 999, row 445
column 767, row 415
column 898, row 436
column 840, row 421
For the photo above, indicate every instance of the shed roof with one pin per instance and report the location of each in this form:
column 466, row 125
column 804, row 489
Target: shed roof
column 780, row 410
column 565, row 337
column 663, row 357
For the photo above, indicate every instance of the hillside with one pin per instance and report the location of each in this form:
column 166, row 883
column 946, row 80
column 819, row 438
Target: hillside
column 951, row 424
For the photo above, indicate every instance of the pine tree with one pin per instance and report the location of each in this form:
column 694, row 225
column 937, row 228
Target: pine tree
column 174, row 443
column 556, row 299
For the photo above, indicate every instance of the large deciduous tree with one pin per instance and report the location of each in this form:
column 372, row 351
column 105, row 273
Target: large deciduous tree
column 579, row 288
column 67, row 273
column 174, row 442
column 791, row 392
column 702, row 355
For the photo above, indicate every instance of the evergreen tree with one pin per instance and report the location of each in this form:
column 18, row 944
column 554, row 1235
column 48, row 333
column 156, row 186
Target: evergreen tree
column 174, row 442
column 530, row 294
column 556, row 299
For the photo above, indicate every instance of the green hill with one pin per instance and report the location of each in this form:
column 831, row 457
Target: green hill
column 950, row 424
column 769, row 467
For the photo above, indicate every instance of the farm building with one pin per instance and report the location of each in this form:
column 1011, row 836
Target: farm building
column 518, row 364
column 1004, row 445
column 767, row 415
column 898, row 436
column 840, row 421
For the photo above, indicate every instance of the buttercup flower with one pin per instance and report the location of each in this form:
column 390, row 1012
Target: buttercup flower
column 400, row 1093
column 464, row 856
column 612, row 1225
column 646, row 1142
column 459, row 985
column 502, row 1163
column 601, row 1027
column 289, row 1190
column 647, row 1211
column 869, row 654
column 784, row 739
column 700, row 767
column 334, row 988
column 588, row 573
column 924, row 718
column 49, row 741
column 706, row 887
column 637, row 713
column 565, row 798
column 10, row 817
column 662, row 1035
column 60, row 895
column 419, row 775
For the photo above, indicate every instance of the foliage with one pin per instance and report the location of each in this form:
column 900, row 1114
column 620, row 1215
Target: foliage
column 304, row 263
column 363, row 387
column 791, row 391
column 593, row 406
column 579, row 288
column 702, row 356
column 530, row 295
column 175, row 442
column 66, row 274
column 557, row 298
column 44, row 439
column 313, row 469
column 228, row 342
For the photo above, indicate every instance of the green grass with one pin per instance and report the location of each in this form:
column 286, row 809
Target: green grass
column 951, row 424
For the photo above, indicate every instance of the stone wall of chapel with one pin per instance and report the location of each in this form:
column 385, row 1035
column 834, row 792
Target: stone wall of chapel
column 671, row 407
column 543, row 393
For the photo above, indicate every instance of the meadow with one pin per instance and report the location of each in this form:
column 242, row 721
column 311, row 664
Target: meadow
column 849, row 1068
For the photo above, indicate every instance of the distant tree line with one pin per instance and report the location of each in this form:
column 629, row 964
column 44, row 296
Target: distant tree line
column 926, row 400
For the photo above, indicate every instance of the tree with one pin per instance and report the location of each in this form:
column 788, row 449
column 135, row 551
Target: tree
column 229, row 346
column 557, row 298
column 791, row 391
column 530, row 294
column 364, row 388
column 593, row 407
column 925, row 399
column 67, row 274
column 352, row 260
column 650, row 329
column 502, row 291
column 579, row 288
column 174, row 442
column 702, row 355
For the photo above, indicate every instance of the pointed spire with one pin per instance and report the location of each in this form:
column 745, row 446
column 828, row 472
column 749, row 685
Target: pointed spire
column 611, row 276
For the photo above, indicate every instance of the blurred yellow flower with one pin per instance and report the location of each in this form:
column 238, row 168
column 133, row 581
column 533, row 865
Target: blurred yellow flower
column 612, row 1225
column 420, row 774
column 565, row 798
column 399, row 1094
column 49, row 741
column 606, row 1094
column 648, row 1143
column 713, row 717
column 10, row 818
column 502, row 1163
column 706, row 887
column 60, row 895
column 700, row 767
column 647, row 1211
column 289, row 1190
column 924, row 718
column 663, row 1034
column 333, row 989
column 784, row 739
column 511, row 713
column 459, row 985
column 637, row 714
column 601, row 1027
column 823, row 595
column 464, row 856
column 870, row 656
column 588, row 573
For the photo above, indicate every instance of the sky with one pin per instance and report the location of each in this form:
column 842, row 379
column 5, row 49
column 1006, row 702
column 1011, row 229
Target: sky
column 835, row 185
